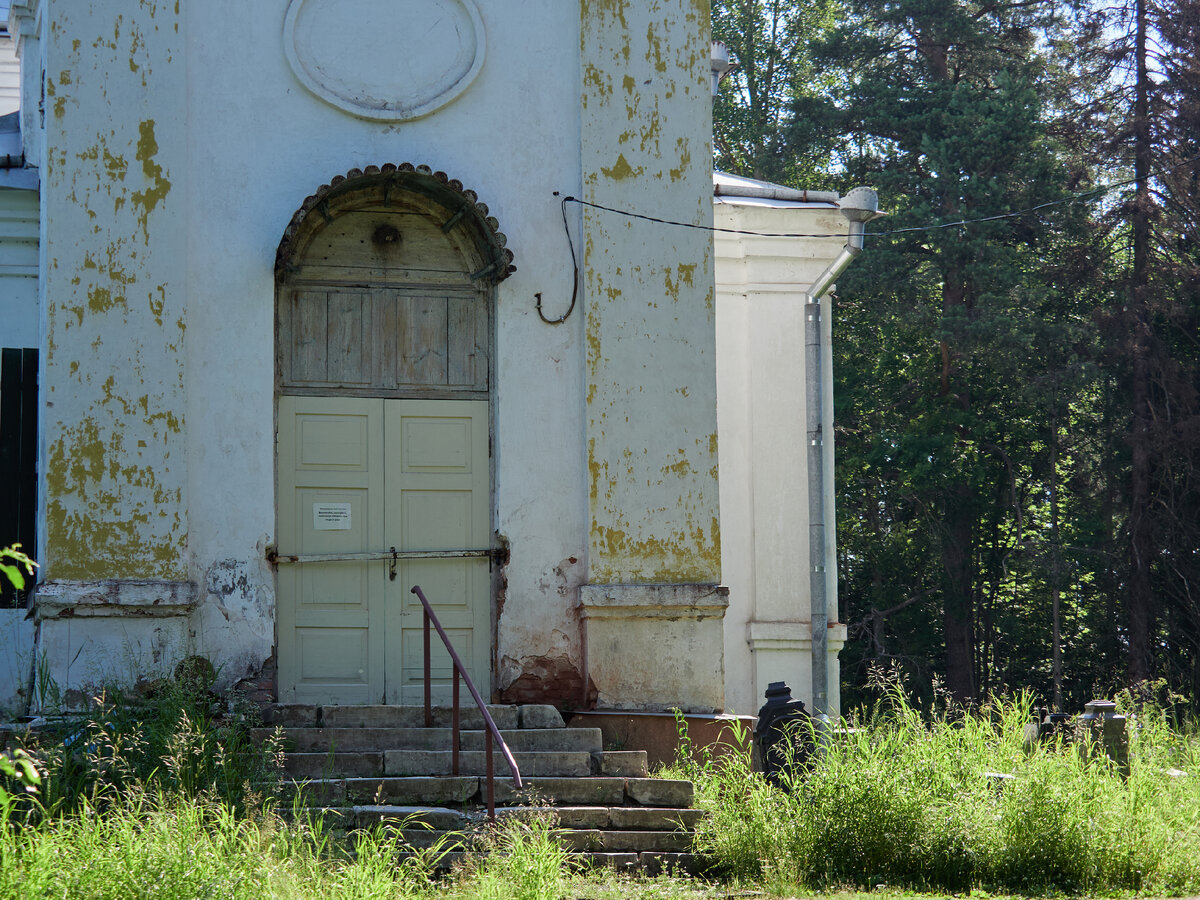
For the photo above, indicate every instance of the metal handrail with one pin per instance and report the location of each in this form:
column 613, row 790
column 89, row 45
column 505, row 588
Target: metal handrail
column 490, row 732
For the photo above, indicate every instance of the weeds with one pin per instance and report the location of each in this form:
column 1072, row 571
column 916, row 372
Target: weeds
column 170, row 742
column 922, row 801
column 165, row 798
column 178, row 848
column 525, row 861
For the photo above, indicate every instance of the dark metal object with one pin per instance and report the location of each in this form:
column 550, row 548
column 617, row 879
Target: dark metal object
column 784, row 734
column 491, row 733
column 1102, row 727
column 385, row 234
column 1046, row 726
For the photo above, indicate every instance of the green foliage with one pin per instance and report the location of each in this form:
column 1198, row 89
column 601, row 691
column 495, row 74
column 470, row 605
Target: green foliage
column 525, row 861
column 16, row 566
column 171, row 742
column 19, row 781
column 153, row 846
column 760, row 129
column 1017, row 406
column 922, row 802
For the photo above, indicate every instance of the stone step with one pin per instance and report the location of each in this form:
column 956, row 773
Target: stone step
column 467, row 790
column 404, row 817
column 586, row 840
column 505, row 717
column 649, row 862
column 433, row 762
column 621, row 763
column 622, row 818
column 311, row 740
column 597, row 791
column 613, row 841
column 575, row 818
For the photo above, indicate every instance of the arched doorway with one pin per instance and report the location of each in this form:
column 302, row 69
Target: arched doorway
column 384, row 378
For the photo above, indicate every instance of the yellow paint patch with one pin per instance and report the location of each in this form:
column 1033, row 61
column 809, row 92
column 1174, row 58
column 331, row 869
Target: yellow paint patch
column 159, row 184
column 679, row 559
column 105, row 516
column 654, row 54
column 612, row 9
column 621, row 169
column 101, row 300
column 598, row 81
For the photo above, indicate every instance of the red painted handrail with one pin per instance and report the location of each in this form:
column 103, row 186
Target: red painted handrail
column 491, row 732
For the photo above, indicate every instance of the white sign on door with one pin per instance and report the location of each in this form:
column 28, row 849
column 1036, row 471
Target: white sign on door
column 331, row 516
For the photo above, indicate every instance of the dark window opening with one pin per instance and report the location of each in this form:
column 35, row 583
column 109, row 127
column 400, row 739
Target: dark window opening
column 18, row 459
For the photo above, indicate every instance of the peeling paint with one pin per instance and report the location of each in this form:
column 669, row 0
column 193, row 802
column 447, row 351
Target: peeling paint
column 95, row 524
column 115, row 464
column 556, row 680
column 650, row 339
column 621, row 169
column 160, row 186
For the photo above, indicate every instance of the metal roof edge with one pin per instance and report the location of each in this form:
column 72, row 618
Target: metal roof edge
column 730, row 186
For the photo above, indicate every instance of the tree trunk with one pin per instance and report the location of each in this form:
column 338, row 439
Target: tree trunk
column 1056, row 571
column 1140, row 598
column 958, row 559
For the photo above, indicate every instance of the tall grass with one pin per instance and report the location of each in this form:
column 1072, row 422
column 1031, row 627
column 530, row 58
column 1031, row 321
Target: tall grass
column 179, row 848
column 922, row 802
column 178, row 742
column 525, row 862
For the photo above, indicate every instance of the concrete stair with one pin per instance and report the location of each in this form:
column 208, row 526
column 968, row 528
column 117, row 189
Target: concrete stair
column 366, row 766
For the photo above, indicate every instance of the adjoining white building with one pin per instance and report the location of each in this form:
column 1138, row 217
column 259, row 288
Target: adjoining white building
column 311, row 331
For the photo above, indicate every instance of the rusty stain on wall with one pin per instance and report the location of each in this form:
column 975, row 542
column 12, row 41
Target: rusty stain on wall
column 547, row 679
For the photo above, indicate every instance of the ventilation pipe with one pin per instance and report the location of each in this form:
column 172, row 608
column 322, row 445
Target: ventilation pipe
column 860, row 206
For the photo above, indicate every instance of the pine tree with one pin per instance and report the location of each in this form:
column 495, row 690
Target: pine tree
column 948, row 114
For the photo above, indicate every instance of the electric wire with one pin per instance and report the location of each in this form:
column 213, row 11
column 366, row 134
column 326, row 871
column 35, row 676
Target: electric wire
column 1074, row 198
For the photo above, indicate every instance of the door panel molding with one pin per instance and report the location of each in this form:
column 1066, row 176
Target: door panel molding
column 358, row 475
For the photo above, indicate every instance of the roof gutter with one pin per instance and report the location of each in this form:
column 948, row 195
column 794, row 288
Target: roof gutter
column 860, row 206
column 774, row 192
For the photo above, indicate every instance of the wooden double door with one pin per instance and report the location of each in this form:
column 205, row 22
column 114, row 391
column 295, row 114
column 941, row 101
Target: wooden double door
column 359, row 477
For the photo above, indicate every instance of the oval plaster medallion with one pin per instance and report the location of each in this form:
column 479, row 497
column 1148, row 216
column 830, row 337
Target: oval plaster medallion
column 383, row 59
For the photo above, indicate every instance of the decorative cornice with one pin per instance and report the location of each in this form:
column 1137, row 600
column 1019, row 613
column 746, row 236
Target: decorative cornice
column 113, row 598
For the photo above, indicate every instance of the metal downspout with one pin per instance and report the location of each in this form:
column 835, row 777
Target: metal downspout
column 822, row 546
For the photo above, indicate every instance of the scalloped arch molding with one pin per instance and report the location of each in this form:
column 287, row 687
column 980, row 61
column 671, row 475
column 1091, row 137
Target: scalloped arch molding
column 365, row 59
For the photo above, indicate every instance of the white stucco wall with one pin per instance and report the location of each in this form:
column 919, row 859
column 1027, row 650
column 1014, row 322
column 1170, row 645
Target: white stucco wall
column 181, row 142
column 265, row 143
column 16, row 662
column 18, row 267
column 764, row 460
column 10, row 70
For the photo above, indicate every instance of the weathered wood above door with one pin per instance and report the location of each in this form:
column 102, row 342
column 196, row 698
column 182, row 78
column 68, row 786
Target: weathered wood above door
column 384, row 290
column 433, row 200
column 383, row 342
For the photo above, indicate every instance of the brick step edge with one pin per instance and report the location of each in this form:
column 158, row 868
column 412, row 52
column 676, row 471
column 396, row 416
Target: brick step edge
column 468, row 791
column 649, row 862
column 354, row 740
column 576, row 818
column 583, row 840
